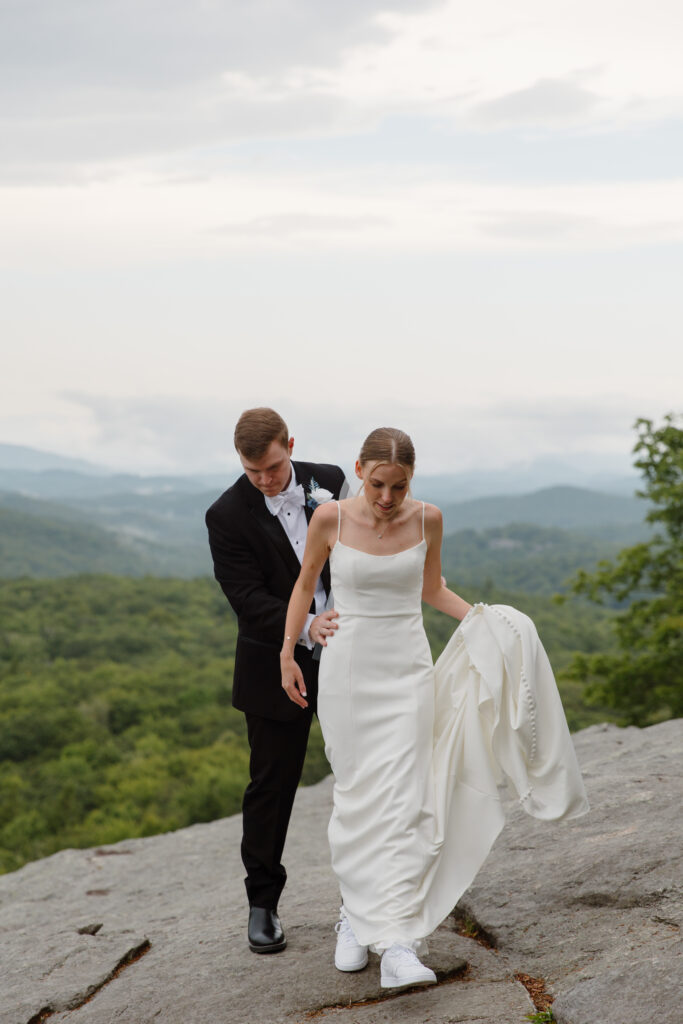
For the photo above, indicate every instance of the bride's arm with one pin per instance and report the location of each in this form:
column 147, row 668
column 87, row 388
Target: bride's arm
column 433, row 591
column 315, row 555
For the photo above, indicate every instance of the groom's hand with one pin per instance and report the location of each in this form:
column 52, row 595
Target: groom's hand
column 323, row 626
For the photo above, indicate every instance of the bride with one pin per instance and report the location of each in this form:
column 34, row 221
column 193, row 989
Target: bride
column 417, row 750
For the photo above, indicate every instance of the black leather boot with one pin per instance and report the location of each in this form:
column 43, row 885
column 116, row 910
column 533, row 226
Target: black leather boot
column 265, row 931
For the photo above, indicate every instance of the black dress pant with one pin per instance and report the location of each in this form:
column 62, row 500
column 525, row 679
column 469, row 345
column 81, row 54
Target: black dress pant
column 277, row 757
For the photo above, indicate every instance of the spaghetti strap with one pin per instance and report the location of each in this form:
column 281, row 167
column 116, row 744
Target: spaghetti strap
column 423, row 520
column 338, row 521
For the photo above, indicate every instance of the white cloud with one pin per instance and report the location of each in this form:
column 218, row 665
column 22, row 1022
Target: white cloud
column 177, row 434
column 295, row 225
column 157, row 44
column 139, row 217
column 124, row 78
column 85, row 84
column 540, row 226
column 547, row 101
column 213, row 199
column 531, row 58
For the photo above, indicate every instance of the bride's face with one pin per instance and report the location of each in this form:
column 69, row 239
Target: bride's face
column 385, row 486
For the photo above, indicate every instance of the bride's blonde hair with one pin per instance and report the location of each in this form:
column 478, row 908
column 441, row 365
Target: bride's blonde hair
column 388, row 445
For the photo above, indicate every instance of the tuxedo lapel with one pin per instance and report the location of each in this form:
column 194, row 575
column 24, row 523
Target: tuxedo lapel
column 273, row 528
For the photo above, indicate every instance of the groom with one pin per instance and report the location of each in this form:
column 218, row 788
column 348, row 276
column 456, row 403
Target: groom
column 257, row 534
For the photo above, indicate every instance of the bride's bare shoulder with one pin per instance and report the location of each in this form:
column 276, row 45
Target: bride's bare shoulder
column 347, row 504
column 326, row 512
column 433, row 516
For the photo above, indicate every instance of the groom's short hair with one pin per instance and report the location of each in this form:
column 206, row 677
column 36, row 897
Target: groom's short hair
column 256, row 429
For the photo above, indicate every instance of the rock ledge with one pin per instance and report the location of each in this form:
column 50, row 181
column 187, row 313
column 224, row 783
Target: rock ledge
column 152, row 929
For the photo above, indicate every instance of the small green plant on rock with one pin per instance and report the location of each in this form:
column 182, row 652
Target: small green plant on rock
column 541, row 1017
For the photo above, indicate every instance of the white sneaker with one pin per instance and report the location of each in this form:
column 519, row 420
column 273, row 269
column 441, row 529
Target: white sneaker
column 349, row 954
column 402, row 969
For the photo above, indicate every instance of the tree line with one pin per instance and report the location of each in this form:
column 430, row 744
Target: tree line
column 115, row 706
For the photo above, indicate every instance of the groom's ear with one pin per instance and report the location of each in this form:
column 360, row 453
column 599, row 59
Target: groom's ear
column 290, row 445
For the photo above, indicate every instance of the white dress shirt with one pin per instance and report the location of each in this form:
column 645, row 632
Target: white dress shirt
column 295, row 526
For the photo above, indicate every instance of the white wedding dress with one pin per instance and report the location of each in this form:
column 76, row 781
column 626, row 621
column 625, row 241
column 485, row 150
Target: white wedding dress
column 418, row 750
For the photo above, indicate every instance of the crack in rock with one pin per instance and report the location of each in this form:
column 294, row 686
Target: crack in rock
column 467, row 925
column 131, row 957
column 538, row 993
column 444, row 977
column 667, row 921
column 42, row 1015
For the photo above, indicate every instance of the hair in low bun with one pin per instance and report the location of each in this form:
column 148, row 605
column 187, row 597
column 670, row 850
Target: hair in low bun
column 388, row 445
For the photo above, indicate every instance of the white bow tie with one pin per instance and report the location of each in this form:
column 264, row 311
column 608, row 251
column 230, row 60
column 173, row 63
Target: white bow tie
column 286, row 500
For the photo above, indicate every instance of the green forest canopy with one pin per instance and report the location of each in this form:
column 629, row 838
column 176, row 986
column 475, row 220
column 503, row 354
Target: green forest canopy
column 115, row 705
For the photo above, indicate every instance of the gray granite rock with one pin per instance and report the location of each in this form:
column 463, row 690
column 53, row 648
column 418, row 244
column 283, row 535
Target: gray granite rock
column 153, row 930
column 592, row 905
column 183, row 894
column 648, row 992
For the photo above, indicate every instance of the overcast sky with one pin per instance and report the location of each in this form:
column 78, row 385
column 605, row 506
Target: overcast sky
column 461, row 219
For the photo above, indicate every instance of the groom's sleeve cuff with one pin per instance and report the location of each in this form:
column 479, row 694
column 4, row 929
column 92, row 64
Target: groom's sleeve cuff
column 304, row 638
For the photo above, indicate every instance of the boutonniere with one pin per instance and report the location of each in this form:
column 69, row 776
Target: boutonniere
column 317, row 495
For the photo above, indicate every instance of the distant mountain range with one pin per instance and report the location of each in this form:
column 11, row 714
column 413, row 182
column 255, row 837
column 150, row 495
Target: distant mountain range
column 39, row 474
column 71, row 485
column 44, row 539
column 522, row 479
column 136, row 534
column 42, row 474
column 567, row 507
column 61, row 516
column 37, row 546
column 19, row 456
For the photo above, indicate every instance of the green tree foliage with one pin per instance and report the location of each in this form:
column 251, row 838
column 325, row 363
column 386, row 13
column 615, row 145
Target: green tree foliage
column 46, row 545
column 643, row 679
column 115, row 712
column 528, row 558
column 115, row 705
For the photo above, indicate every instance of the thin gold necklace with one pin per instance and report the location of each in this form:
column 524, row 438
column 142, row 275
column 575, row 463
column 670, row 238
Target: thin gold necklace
column 386, row 526
column 384, row 529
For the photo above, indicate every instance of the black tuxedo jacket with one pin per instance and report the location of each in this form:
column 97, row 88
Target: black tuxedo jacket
column 256, row 567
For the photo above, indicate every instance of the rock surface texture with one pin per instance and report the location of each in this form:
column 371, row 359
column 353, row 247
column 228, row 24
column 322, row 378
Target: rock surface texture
column 153, row 930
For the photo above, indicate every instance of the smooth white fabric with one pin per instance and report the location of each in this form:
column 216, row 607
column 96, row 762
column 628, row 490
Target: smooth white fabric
column 418, row 751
